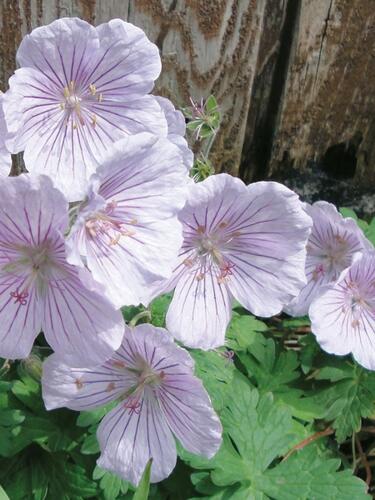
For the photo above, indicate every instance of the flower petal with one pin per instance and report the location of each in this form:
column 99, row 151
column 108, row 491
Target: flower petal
column 20, row 320
column 200, row 311
column 176, row 130
column 81, row 388
column 189, row 413
column 78, row 322
column 128, row 439
column 269, row 252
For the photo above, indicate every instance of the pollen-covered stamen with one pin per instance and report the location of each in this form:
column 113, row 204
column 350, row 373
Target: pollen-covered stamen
column 108, row 227
column 20, row 297
column 76, row 101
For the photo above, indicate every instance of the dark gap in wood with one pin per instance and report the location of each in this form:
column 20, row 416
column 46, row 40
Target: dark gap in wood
column 340, row 160
column 258, row 152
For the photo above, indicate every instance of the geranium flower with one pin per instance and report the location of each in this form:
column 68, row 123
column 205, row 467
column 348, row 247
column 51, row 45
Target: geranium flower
column 127, row 230
column 157, row 395
column 39, row 290
column 79, row 89
column 343, row 316
column 176, row 130
column 242, row 242
column 333, row 243
column 5, row 158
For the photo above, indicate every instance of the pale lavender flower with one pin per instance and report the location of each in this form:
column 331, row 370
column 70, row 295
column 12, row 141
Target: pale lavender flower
column 343, row 316
column 333, row 243
column 176, row 130
column 158, row 396
column 127, row 231
column 242, row 242
column 39, row 290
column 78, row 90
column 5, row 158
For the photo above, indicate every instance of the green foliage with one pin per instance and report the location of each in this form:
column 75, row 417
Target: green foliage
column 367, row 227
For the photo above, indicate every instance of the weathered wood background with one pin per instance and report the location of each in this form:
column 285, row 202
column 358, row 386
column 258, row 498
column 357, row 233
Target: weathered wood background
column 294, row 78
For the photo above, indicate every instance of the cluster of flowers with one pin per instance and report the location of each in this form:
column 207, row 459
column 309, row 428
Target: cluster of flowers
column 108, row 216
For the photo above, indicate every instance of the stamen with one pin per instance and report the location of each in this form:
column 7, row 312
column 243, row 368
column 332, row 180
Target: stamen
column 94, row 120
column 118, row 364
column 110, row 387
column 100, row 97
column 79, row 384
column 92, row 89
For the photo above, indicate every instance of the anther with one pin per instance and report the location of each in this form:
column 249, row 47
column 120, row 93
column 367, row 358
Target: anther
column 79, row 384
column 92, row 89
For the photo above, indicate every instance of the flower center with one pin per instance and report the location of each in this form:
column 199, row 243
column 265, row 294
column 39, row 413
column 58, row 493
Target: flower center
column 210, row 249
column 145, row 377
column 108, row 227
column 34, row 265
column 77, row 103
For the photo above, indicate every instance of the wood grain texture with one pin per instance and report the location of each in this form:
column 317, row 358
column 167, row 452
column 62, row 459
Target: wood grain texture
column 292, row 77
column 329, row 95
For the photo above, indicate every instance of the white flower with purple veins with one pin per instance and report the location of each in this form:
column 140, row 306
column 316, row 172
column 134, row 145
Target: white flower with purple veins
column 5, row 158
column 79, row 89
column 343, row 316
column 333, row 243
column 242, row 242
column 39, row 290
column 127, row 231
column 157, row 395
column 176, row 130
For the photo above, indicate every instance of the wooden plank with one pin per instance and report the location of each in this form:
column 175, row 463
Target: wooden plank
column 329, row 96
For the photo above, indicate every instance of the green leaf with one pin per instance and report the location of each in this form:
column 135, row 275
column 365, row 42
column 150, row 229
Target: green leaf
column 348, row 212
column 258, row 432
column 306, row 475
column 144, row 484
column 90, row 445
column 349, row 398
column 3, row 495
column 216, row 373
column 27, row 390
column 243, row 331
column 87, row 418
column 159, row 308
column 211, row 104
column 11, row 417
column 110, row 484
